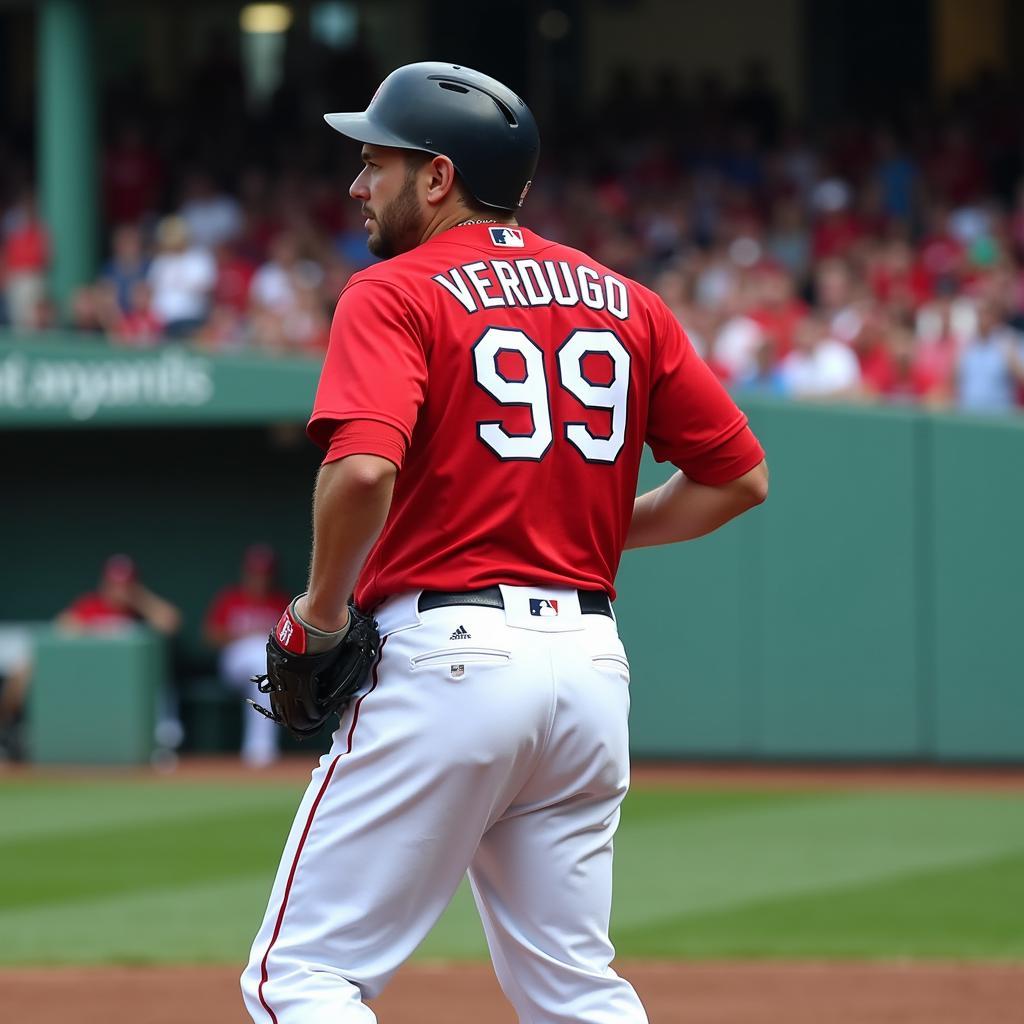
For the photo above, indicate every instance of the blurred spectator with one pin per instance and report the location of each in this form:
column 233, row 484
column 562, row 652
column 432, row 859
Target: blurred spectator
column 237, row 624
column 739, row 340
column 917, row 375
column 119, row 600
column 235, row 271
column 136, row 326
column 182, row 278
column 819, row 366
column 764, row 377
column 776, row 307
column 836, row 227
column 15, row 675
column 788, row 239
column 213, row 217
column 739, row 218
column 991, row 366
column 87, row 313
column 288, row 312
column 24, row 256
column 225, row 329
column 128, row 264
column 835, row 292
column 275, row 284
column 875, row 355
column 941, row 253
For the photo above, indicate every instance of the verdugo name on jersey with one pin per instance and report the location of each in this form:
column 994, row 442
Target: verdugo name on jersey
column 526, row 282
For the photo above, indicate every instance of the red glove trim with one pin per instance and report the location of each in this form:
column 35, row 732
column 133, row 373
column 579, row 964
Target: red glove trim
column 290, row 633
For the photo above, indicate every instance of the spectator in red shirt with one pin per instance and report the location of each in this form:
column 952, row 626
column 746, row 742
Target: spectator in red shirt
column 941, row 256
column 234, row 275
column 120, row 600
column 837, row 228
column 919, row 375
column 237, row 623
column 137, row 326
column 24, row 255
column 878, row 371
column 777, row 309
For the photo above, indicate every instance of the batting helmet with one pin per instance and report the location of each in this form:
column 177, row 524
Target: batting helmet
column 482, row 126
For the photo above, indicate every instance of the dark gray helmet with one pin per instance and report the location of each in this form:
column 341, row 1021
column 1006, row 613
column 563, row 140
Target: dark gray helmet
column 482, row 126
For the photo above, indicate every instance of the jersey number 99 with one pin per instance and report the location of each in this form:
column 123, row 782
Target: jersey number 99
column 531, row 390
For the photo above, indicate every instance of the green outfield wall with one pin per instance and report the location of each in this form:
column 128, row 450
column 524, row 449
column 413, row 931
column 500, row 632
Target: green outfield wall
column 870, row 609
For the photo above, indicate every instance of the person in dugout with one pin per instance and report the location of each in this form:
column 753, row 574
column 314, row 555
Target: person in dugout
column 237, row 624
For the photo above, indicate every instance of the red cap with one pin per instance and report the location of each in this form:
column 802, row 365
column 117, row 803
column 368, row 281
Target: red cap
column 120, row 569
column 259, row 558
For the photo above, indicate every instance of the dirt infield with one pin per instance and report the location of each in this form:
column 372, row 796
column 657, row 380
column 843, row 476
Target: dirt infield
column 718, row 993
column 766, row 992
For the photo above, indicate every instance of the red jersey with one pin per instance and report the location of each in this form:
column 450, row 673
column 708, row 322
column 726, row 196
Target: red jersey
column 26, row 248
column 94, row 611
column 240, row 613
column 525, row 379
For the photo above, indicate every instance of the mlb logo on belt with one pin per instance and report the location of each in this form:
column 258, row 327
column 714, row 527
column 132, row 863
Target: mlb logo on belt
column 511, row 238
column 542, row 606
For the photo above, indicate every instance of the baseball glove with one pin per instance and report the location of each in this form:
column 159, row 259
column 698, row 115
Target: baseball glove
column 306, row 689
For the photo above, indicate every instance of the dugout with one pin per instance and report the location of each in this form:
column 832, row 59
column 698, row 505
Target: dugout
column 178, row 459
column 869, row 610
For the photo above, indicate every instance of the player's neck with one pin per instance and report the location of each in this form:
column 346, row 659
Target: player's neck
column 460, row 215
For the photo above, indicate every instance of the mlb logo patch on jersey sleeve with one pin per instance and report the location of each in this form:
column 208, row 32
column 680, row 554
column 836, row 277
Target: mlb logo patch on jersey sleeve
column 510, row 238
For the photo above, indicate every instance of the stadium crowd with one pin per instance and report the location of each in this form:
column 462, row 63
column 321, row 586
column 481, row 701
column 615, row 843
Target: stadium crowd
column 880, row 260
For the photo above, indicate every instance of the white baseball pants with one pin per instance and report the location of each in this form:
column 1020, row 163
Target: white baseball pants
column 488, row 740
column 239, row 662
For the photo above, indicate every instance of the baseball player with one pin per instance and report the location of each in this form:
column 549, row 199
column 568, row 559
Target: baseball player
column 236, row 624
column 483, row 406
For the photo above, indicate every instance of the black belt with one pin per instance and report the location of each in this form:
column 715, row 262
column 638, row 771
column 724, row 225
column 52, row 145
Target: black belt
column 592, row 602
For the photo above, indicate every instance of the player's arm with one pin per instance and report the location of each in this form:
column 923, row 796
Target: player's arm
column 158, row 612
column 350, row 505
column 67, row 619
column 682, row 509
column 371, row 388
column 695, row 425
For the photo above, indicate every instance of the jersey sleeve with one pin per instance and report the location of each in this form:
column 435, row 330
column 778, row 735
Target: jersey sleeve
column 82, row 606
column 366, row 437
column 375, row 368
column 692, row 422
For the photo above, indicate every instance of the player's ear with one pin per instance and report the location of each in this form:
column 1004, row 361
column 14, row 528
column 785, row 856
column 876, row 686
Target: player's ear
column 442, row 179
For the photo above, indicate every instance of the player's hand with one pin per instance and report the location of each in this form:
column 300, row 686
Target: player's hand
column 306, row 686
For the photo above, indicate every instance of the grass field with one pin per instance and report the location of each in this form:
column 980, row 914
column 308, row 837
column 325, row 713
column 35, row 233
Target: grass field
column 170, row 871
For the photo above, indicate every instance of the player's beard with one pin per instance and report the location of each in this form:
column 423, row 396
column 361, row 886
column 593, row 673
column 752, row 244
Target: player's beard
column 398, row 224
